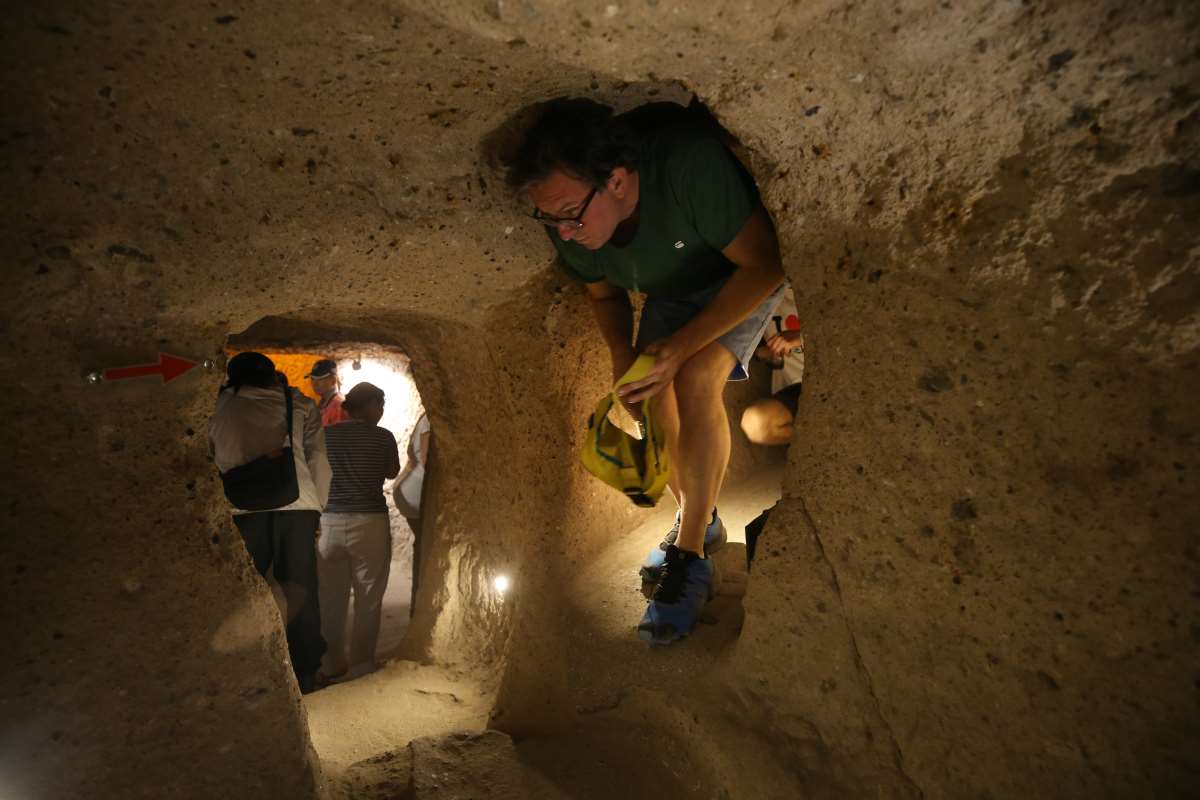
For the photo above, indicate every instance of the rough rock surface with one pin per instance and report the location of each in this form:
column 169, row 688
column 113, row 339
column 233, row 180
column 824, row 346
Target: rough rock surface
column 982, row 579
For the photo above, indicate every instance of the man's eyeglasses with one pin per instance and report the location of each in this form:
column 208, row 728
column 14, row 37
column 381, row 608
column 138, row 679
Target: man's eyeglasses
column 573, row 222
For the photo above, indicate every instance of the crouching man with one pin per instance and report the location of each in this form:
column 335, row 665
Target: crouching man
column 653, row 202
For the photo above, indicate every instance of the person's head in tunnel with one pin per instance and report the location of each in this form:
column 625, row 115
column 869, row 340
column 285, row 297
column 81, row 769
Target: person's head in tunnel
column 365, row 403
column 652, row 201
column 324, row 380
column 578, row 165
column 249, row 369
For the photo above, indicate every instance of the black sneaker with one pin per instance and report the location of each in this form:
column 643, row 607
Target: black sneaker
column 679, row 597
column 714, row 539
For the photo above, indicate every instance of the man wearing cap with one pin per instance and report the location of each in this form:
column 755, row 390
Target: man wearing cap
column 324, row 380
column 356, row 541
column 653, row 202
column 250, row 422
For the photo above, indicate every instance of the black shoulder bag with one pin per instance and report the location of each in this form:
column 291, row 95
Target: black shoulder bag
column 268, row 481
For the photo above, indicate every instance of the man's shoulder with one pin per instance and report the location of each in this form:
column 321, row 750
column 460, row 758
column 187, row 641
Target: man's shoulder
column 301, row 400
column 349, row 427
column 358, row 436
column 672, row 135
column 340, row 434
column 680, row 147
column 355, row 428
column 651, row 118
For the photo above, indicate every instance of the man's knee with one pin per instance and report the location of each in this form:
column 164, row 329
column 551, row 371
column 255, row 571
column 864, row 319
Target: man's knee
column 704, row 375
column 767, row 421
column 754, row 423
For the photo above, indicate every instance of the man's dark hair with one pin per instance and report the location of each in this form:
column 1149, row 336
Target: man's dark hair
column 581, row 137
column 250, row 369
column 362, row 393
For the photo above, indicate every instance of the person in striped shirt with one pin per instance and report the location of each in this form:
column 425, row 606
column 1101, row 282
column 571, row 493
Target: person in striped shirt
column 355, row 546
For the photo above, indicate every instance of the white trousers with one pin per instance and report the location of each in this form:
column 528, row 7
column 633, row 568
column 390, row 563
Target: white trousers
column 355, row 554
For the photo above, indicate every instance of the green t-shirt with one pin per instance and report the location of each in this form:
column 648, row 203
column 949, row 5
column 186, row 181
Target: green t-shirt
column 694, row 197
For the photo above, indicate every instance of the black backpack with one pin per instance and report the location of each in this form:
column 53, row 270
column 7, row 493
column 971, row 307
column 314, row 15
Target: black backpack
column 268, row 481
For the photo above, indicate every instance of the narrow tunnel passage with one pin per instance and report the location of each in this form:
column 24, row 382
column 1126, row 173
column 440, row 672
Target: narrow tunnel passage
column 367, row 711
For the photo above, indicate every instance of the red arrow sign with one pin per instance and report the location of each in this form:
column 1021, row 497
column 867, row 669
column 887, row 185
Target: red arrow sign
column 170, row 367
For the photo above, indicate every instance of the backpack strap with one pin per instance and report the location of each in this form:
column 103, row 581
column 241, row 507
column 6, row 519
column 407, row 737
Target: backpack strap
column 287, row 401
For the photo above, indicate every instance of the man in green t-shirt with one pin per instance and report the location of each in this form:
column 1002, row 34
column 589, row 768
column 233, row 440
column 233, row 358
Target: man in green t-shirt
column 653, row 202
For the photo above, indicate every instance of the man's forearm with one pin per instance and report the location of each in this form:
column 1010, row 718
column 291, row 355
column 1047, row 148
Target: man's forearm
column 614, row 317
column 745, row 290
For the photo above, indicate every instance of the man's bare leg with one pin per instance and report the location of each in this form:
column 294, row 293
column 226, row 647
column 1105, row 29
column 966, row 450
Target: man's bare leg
column 702, row 441
column 666, row 410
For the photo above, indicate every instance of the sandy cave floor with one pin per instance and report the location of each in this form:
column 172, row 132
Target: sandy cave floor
column 383, row 712
column 387, row 709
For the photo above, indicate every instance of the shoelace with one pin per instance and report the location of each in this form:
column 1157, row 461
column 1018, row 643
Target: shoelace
column 674, row 577
column 673, row 534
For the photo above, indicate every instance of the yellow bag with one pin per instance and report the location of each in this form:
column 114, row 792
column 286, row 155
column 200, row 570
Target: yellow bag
column 636, row 467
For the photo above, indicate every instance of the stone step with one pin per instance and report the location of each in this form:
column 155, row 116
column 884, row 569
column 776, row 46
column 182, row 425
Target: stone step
column 481, row 765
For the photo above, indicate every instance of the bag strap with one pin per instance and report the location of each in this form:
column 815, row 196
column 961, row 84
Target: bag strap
column 287, row 400
column 637, row 371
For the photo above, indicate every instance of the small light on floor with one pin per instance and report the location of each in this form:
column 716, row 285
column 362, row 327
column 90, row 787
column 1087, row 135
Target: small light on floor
column 501, row 583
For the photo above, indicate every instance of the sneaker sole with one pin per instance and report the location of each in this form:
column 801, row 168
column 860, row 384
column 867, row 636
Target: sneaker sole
column 662, row 635
column 648, row 634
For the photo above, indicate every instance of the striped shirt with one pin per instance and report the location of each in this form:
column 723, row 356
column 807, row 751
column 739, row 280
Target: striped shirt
column 362, row 456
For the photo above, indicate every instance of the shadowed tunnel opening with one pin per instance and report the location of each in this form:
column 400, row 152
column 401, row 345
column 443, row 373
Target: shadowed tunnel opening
column 389, row 371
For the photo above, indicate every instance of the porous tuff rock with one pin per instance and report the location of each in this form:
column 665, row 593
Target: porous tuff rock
column 980, row 581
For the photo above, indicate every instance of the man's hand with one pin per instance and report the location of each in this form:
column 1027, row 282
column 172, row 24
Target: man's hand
column 784, row 343
column 669, row 357
column 622, row 360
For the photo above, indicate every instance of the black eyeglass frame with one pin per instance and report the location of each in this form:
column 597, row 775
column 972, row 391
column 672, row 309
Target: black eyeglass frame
column 575, row 221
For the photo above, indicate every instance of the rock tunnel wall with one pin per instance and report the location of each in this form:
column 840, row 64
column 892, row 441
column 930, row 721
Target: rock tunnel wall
column 981, row 581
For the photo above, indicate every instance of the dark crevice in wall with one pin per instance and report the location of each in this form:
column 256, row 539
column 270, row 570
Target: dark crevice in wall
column 894, row 744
